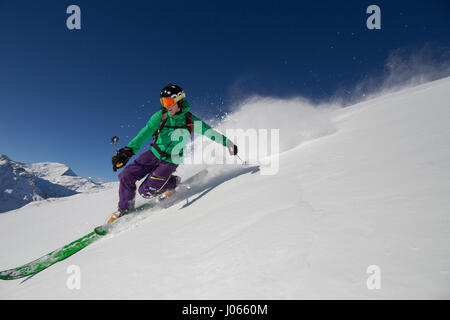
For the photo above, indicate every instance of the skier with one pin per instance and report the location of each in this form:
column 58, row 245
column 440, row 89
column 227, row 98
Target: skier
column 160, row 162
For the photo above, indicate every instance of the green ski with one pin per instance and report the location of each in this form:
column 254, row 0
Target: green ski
column 49, row 259
column 75, row 246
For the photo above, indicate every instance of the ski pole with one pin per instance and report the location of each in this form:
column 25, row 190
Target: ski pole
column 114, row 140
column 244, row 163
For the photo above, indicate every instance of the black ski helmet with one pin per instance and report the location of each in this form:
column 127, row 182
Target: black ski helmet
column 175, row 92
column 171, row 91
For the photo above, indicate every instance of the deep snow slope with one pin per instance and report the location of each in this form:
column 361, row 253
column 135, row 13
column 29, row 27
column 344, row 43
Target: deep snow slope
column 360, row 186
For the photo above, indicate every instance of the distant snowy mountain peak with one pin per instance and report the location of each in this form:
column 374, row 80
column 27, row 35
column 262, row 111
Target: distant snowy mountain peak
column 4, row 159
column 17, row 186
column 60, row 174
column 50, row 169
column 23, row 183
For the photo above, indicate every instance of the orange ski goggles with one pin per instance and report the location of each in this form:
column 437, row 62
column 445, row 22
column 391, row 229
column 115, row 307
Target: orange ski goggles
column 169, row 102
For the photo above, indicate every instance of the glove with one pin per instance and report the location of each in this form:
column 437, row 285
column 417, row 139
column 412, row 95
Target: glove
column 121, row 158
column 232, row 148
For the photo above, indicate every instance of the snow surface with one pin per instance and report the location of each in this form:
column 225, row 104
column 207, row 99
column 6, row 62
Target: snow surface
column 359, row 186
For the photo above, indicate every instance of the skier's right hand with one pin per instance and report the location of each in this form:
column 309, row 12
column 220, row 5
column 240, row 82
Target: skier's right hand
column 232, row 148
column 121, row 158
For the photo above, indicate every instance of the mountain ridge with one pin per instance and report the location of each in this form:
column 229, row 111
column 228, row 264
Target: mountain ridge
column 22, row 183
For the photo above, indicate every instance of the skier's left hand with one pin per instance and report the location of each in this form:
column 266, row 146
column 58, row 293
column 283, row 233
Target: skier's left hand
column 232, row 148
column 121, row 158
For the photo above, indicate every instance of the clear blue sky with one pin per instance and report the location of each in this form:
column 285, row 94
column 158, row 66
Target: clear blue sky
column 64, row 93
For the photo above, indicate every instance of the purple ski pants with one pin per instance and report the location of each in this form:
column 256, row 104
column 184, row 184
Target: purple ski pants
column 159, row 179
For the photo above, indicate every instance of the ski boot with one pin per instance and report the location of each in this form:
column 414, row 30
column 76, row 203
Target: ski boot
column 118, row 214
column 170, row 192
column 114, row 216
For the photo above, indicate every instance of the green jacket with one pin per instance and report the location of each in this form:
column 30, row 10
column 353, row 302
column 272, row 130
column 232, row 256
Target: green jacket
column 169, row 138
